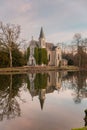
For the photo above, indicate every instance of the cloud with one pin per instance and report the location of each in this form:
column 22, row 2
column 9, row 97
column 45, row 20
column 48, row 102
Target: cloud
column 59, row 18
column 65, row 37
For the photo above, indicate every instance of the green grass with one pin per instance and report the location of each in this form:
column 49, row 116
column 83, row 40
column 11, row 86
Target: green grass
column 85, row 128
column 69, row 67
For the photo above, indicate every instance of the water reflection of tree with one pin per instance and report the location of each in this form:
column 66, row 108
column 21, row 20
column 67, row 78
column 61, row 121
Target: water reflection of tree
column 40, row 80
column 77, row 82
column 37, row 84
column 80, row 84
column 9, row 88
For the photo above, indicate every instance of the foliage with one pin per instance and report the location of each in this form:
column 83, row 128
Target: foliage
column 78, row 59
column 69, row 57
column 40, row 81
column 17, row 57
column 44, row 56
column 4, row 59
column 70, row 62
column 81, row 53
column 28, row 82
column 36, row 55
column 9, row 90
column 28, row 53
column 40, row 55
column 9, row 34
column 5, row 81
column 16, row 83
column 78, row 54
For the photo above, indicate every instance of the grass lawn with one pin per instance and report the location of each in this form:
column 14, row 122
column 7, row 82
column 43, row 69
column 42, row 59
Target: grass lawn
column 85, row 128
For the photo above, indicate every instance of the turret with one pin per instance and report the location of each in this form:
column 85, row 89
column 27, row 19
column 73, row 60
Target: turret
column 42, row 39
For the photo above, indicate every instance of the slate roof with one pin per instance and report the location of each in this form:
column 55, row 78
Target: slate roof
column 41, row 33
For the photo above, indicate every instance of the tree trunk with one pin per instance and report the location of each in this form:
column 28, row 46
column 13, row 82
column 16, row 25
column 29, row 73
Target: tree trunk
column 79, row 60
column 10, row 52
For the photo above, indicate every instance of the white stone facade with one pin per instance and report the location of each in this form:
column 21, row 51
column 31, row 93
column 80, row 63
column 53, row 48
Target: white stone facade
column 53, row 52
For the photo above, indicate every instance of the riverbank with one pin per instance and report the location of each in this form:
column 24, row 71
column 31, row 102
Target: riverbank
column 26, row 69
column 85, row 128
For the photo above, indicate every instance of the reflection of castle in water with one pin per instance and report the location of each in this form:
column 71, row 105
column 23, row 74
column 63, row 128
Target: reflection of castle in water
column 41, row 84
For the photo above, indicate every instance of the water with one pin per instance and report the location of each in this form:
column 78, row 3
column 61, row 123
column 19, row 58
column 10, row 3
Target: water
column 44, row 101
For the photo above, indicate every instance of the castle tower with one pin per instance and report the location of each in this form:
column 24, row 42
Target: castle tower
column 42, row 39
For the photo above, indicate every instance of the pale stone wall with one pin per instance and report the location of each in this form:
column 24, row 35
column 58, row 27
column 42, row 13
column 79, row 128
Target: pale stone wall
column 51, row 57
column 32, row 60
column 58, row 56
column 54, row 79
column 42, row 43
column 51, row 79
column 58, row 81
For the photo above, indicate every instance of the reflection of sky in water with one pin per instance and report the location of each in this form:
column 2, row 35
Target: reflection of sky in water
column 59, row 113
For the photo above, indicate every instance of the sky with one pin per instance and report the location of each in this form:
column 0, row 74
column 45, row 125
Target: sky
column 60, row 19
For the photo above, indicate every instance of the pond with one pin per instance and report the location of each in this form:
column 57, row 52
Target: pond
column 43, row 101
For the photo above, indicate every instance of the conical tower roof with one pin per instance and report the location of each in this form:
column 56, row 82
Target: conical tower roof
column 41, row 33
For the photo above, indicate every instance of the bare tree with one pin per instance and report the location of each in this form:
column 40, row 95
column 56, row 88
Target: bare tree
column 85, row 45
column 9, row 34
column 78, row 40
column 9, row 106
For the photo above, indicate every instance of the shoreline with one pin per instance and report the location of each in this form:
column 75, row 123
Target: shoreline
column 35, row 69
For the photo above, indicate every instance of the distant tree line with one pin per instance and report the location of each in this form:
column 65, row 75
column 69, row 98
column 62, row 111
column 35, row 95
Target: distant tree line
column 78, row 55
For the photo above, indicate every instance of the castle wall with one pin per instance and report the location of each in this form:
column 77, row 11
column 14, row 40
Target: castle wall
column 58, row 56
column 42, row 43
column 51, row 57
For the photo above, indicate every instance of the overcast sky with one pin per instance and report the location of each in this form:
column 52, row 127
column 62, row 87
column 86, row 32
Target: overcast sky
column 60, row 19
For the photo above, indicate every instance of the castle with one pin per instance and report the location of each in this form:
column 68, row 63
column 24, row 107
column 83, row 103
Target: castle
column 53, row 52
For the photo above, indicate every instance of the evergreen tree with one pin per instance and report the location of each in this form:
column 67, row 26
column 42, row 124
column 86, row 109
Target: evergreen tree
column 40, row 55
column 44, row 56
column 36, row 54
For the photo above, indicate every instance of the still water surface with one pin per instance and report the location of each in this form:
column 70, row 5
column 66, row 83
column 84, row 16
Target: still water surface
column 47, row 101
